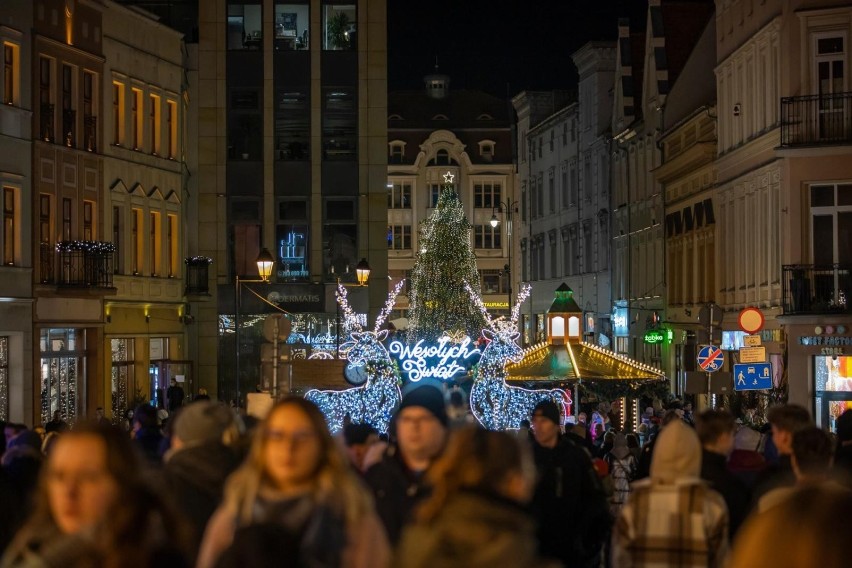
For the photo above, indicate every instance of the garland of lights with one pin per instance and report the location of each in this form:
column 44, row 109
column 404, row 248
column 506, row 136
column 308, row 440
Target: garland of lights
column 376, row 400
column 198, row 261
column 443, row 262
column 496, row 405
column 85, row 246
column 613, row 390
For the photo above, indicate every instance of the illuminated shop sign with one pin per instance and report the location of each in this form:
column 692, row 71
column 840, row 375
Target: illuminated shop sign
column 654, row 336
column 443, row 360
column 619, row 321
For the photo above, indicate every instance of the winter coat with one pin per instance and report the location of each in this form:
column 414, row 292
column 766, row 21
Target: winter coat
column 473, row 530
column 737, row 496
column 196, row 476
column 569, row 505
column 672, row 518
column 622, row 469
column 397, row 491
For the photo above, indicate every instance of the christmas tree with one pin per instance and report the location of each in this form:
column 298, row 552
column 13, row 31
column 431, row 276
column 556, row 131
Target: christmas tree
column 439, row 302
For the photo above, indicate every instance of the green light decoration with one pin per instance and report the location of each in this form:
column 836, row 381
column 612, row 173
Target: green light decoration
column 439, row 302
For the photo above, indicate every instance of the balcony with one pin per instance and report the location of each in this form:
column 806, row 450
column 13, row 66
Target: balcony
column 81, row 264
column 816, row 289
column 197, row 283
column 816, row 120
column 46, row 131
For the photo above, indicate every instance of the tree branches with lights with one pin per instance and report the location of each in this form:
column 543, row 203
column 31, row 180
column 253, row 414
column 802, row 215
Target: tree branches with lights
column 444, row 262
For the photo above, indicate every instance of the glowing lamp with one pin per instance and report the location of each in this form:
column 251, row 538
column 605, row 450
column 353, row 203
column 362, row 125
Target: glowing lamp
column 264, row 265
column 362, row 271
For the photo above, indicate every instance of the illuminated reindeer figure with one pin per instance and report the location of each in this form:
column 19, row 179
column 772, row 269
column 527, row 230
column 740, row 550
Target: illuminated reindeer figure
column 495, row 404
column 375, row 401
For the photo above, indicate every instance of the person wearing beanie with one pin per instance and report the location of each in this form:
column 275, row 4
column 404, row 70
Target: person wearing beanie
column 568, row 502
column 672, row 518
column 201, row 457
column 398, row 480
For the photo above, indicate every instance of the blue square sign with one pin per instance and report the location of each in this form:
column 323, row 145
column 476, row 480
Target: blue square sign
column 753, row 376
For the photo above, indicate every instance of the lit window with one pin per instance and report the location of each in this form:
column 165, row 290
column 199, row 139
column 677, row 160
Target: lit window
column 486, row 237
column 136, row 119
column 172, row 126
column 155, row 243
column 486, row 195
column 10, row 73
column 339, row 27
column 154, row 125
column 117, row 113
column 399, row 237
column 399, row 196
column 136, row 250
column 66, row 218
column 88, row 221
column 173, row 245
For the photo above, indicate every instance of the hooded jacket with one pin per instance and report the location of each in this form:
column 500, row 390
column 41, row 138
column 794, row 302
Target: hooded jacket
column 672, row 518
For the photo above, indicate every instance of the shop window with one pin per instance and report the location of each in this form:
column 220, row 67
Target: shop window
column 62, row 371
column 494, row 281
column 245, row 26
column 122, row 351
column 292, row 22
column 339, row 27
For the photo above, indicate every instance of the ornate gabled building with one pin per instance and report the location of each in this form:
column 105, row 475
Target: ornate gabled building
column 435, row 130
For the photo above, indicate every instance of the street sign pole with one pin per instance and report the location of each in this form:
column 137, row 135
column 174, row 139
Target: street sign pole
column 710, row 402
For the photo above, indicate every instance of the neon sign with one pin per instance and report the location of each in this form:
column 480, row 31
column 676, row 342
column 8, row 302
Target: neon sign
column 442, row 361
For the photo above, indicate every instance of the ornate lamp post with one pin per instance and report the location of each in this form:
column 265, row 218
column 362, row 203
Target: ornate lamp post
column 507, row 208
column 265, row 262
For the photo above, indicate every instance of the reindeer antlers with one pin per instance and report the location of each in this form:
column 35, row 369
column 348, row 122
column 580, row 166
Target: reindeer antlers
column 477, row 299
column 522, row 297
column 389, row 303
column 350, row 319
column 500, row 323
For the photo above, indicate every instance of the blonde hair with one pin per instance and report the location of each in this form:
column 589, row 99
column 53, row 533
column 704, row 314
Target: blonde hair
column 334, row 482
column 803, row 530
column 475, row 459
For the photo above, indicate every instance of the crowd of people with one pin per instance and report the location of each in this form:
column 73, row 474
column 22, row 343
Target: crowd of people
column 209, row 487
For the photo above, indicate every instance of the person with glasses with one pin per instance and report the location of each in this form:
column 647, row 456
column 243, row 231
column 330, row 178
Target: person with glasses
column 296, row 477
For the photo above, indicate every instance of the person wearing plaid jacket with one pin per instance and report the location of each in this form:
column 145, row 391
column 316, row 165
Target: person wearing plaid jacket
column 673, row 518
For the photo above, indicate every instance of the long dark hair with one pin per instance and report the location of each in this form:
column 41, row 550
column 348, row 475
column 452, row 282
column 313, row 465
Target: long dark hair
column 140, row 529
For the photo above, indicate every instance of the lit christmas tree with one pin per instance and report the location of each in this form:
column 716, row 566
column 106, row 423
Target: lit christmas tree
column 439, row 302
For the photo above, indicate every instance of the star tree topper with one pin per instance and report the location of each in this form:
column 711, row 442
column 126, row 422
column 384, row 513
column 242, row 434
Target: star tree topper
column 448, row 177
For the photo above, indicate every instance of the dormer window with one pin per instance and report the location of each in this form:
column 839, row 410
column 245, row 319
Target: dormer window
column 440, row 117
column 484, row 116
column 395, row 117
column 397, row 152
column 486, row 150
column 442, row 158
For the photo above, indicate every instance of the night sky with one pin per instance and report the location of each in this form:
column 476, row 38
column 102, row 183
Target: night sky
column 485, row 44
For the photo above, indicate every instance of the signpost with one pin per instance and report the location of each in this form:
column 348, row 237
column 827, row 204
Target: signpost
column 751, row 320
column 710, row 358
column 755, row 376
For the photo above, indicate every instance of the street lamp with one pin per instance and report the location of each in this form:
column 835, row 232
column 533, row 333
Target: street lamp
column 362, row 273
column 507, row 207
column 265, row 262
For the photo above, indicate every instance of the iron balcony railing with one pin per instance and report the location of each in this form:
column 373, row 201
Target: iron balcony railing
column 816, row 289
column 814, row 120
column 85, row 264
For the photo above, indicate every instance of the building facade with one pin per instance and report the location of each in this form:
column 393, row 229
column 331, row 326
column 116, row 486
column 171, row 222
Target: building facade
column 563, row 168
column 437, row 130
column 291, row 154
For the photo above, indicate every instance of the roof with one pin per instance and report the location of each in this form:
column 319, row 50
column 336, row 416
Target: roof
column 462, row 109
column 683, row 21
column 574, row 362
column 564, row 301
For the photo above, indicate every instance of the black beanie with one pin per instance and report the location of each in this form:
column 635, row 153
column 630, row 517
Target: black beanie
column 548, row 409
column 427, row 397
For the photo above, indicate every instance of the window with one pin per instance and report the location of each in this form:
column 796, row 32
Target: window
column 245, row 25
column 155, row 243
column 44, row 214
column 90, row 131
column 88, row 221
column 136, row 119
column 588, row 249
column 339, row 27
column 122, row 374
column 540, row 144
column 293, row 124
column 831, row 224
column 533, row 198
column 486, row 237
column 171, row 125
column 434, row 194
column 566, row 193
column 340, row 237
column 399, row 196
column 9, row 228
column 292, row 22
column 62, row 372
column 574, row 184
column 442, row 158
column 10, row 73
column 540, row 194
column 486, row 150
column 494, row 281
column 397, row 152
column 172, row 245
column 551, row 191
column 565, row 134
column 117, row 241
column 339, row 124
column 117, row 113
column 46, row 113
column 154, row 123
column 68, row 113
column 487, row 195
column 136, row 249
column 830, row 69
column 552, row 137
column 399, row 237
column 66, row 219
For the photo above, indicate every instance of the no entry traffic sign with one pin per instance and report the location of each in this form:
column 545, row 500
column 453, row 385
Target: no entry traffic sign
column 710, row 358
column 751, row 320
